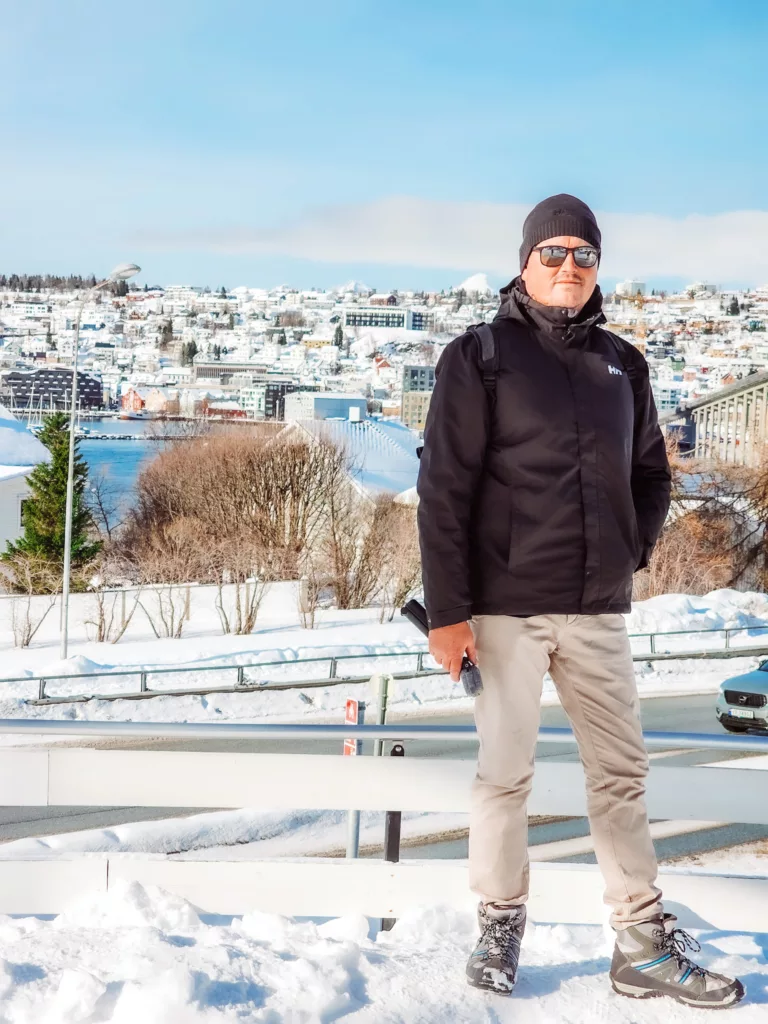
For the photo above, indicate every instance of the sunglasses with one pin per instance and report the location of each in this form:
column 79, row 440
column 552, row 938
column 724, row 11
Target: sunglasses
column 556, row 255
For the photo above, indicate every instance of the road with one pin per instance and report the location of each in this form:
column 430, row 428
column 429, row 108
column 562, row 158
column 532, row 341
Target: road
column 665, row 714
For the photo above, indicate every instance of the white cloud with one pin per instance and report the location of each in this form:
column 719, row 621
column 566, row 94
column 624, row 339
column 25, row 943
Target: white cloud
column 425, row 233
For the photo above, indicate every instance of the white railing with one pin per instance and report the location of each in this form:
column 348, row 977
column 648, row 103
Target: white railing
column 330, row 887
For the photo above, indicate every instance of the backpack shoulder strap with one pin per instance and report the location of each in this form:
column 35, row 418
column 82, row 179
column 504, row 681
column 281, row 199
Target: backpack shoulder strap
column 487, row 356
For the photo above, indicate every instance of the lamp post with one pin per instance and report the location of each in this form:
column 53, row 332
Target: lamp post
column 122, row 272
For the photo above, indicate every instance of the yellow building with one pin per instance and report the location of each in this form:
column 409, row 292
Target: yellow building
column 414, row 408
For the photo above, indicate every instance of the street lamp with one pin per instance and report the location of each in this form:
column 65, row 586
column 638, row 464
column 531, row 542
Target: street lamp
column 121, row 273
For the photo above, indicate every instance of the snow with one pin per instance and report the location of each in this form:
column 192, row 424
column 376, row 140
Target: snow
column 279, row 637
column 477, row 283
column 139, row 953
column 18, row 446
column 244, row 834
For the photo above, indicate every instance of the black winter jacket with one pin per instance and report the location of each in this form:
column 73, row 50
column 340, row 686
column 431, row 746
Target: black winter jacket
column 548, row 502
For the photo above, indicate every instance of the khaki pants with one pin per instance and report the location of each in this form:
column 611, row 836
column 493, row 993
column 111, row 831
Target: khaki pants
column 589, row 659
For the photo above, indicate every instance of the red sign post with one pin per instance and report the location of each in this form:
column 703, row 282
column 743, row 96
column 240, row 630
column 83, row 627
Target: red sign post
column 352, row 717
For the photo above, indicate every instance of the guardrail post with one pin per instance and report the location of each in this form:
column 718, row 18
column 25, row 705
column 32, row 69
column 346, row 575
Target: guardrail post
column 240, row 675
column 332, row 670
column 41, row 689
column 420, row 661
column 392, row 824
column 727, row 639
column 187, row 604
column 653, row 643
column 381, row 718
column 143, row 681
column 353, row 819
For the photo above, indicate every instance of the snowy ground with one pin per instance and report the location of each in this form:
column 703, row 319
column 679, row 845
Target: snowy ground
column 139, row 954
column 279, row 637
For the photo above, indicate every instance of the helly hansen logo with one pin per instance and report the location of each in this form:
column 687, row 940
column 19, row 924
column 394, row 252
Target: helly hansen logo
column 613, row 369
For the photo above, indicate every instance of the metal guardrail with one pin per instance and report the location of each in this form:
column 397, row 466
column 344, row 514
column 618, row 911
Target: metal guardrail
column 397, row 733
column 242, row 684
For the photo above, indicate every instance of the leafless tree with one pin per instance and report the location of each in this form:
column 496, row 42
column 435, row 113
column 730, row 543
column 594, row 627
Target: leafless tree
column 103, row 503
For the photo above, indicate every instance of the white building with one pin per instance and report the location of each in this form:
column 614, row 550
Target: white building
column 322, row 405
column 20, row 452
column 630, row 288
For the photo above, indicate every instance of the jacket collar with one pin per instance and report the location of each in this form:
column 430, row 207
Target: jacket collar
column 517, row 304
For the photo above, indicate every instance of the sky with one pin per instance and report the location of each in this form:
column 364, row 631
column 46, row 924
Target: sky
column 240, row 142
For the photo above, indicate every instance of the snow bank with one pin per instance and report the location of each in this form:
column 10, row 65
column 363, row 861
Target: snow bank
column 720, row 609
column 141, row 954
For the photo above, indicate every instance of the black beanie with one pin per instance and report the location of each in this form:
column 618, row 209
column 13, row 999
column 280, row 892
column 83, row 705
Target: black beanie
column 558, row 215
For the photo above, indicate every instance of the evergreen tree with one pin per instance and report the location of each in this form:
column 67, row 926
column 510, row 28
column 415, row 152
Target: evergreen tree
column 733, row 309
column 223, row 292
column 338, row 336
column 231, row 321
column 281, row 338
column 45, row 509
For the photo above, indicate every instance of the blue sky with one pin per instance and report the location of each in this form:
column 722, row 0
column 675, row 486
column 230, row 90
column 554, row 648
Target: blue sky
column 241, row 142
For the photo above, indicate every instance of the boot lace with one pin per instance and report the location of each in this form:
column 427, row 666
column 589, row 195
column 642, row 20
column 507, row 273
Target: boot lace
column 500, row 937
column 676, row 941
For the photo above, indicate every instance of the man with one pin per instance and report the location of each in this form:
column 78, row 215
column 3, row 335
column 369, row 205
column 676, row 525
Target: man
column 543, row 486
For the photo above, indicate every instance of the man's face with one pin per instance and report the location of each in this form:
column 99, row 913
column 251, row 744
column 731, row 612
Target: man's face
column 568, row 286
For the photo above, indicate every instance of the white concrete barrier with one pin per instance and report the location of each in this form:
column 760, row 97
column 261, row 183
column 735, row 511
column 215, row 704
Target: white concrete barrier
column 164, row 778
column 569, row 894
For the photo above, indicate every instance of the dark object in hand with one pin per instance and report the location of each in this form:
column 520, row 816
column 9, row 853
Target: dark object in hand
column 470, row 676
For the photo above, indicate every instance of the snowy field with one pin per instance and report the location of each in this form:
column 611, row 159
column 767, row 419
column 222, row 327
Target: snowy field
column 139, row 954
column 279, row 637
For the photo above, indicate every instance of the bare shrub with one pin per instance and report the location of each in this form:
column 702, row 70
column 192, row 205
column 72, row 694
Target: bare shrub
column 691, row 557
column 36, row 583
column 171, row 557
column 312, row 583
column 111, row 613
column 251, row 490
column 715, row 532
column 401, row 569
column 244, row 575
column 356, row 544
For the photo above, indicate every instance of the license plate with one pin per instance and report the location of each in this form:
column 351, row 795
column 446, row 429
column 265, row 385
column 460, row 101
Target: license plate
column 741, row 713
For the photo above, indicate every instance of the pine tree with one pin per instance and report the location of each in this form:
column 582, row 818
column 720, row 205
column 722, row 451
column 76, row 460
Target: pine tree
column 223, row 292
column 338, row 336
column 733, row 309
column 44, row 510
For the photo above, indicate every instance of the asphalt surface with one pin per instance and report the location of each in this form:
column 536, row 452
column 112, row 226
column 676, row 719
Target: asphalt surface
column 666, row 714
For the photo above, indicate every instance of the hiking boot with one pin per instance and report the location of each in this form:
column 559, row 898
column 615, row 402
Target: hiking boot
column 493, row 963
column 649, row 960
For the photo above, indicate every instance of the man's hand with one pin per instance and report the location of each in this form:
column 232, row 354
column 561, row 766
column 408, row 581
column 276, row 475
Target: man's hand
column 448, row 644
